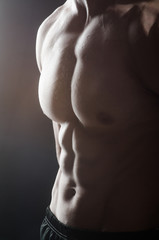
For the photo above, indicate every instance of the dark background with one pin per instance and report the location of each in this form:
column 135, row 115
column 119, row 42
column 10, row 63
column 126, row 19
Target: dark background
column 27, row 154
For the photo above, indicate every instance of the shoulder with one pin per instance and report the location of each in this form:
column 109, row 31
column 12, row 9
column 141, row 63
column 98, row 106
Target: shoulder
column 146, row 47
column 151, row 16
column 44, row 29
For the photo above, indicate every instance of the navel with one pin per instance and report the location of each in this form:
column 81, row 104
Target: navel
column 70, row 193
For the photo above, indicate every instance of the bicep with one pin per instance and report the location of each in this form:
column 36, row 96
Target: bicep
column 40, row 38
column 146, row 57
column 153, row 54
column 42, row 34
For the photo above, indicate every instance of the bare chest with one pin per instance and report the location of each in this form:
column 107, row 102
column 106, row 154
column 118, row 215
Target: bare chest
column 90, row 76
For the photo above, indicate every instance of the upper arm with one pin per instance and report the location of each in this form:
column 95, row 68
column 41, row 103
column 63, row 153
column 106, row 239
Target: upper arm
column 39, row 42
column 152, row 70
column 145, row 52
column 40, row 39
column 42, row 35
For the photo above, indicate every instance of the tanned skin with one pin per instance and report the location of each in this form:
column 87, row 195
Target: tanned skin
column 99, row 85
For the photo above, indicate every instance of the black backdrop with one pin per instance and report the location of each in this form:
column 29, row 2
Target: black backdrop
column 27, row 155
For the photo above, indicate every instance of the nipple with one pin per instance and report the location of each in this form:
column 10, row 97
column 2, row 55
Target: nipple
column 104, row 118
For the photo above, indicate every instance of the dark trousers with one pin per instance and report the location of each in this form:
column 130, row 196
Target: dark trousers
column 52, row 229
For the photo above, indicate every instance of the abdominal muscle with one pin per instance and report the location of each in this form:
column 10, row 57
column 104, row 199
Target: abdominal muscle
column 102, row 181
column 108, row 158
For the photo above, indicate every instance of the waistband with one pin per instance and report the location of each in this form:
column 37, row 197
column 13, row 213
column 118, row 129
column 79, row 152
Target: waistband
column 68, row 232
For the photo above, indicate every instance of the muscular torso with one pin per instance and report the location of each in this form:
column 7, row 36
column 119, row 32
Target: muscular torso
column 99, row 86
